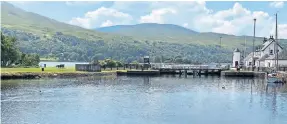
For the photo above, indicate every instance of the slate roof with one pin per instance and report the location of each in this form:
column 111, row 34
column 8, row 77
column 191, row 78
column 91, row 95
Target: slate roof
column 266, row 44
column 236, row 50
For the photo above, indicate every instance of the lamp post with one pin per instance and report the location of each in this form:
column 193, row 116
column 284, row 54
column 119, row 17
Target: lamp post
column 276, row 42
column 253, row 61
column 220, row 48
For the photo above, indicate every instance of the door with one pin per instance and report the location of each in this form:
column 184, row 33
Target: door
column 236, row 63
column 268, row 64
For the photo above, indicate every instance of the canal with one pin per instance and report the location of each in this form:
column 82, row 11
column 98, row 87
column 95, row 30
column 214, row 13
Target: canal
column 143, row 100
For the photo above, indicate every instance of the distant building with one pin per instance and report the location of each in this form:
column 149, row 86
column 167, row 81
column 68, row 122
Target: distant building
column 236, row 58
column 264, row 56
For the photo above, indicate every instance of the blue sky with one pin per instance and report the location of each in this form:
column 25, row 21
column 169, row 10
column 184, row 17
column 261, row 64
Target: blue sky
column 221, row 17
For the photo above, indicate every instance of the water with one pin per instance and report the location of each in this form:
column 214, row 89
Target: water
column 67, row 64
column 143, row 100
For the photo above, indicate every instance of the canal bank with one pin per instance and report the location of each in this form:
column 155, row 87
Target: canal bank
column 35, row 75
column 231, row 73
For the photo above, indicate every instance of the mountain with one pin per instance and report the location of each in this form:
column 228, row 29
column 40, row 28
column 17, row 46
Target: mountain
column 16, row 18
column 149, row 30
column 175, row 33
column 50, row 38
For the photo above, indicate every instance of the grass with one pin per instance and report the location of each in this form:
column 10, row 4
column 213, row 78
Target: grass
column 47, row 70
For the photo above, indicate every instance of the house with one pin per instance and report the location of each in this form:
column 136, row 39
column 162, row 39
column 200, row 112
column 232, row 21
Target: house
column 265, row 54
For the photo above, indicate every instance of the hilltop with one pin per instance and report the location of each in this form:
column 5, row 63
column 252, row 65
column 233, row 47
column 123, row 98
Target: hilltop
column 175, row 33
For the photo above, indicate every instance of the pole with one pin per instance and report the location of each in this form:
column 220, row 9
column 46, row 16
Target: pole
column 220, row 48
column 276, row 42
column 244, row 54
column 253, row 61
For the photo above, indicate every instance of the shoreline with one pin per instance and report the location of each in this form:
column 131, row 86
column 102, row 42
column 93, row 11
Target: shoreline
column 37, row 75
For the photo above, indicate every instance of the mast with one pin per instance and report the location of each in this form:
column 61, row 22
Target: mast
column 244, row 54
column 220, row 48
column 276, row 42
column 253, row 61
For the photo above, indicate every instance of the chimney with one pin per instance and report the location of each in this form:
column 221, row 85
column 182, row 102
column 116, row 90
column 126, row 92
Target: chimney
column 264, row 39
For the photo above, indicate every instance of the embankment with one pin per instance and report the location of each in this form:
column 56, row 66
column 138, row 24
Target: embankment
column 35, row 75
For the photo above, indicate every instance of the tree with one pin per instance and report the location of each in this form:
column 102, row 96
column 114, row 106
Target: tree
column 30, row 59
column 119, row 64
column 110, row 63
column 9, row 52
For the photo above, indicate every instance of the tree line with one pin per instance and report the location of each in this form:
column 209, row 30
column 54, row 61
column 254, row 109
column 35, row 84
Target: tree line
column 11, row 55
column 70, row 48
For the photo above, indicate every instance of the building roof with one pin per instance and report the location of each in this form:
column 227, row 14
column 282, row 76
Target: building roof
column 267, row 43
column 249, row 56
column 236, row 50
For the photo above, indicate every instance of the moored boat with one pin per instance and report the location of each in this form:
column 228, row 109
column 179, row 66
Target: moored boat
column 273, row 78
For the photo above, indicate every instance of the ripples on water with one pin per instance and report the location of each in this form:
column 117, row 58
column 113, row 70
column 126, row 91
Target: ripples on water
column 143, row 100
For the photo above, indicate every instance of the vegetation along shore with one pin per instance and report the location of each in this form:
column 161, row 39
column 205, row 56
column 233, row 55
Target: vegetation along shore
column 32, row 73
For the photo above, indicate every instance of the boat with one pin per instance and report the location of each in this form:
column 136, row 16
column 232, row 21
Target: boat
column 273, row 78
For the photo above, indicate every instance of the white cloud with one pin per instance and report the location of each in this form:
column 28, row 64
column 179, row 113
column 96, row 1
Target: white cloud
column 236, row 20
column 82, row 22
column 107, row 23
column 156, row 16
column 282, row 31
column 102, row 16
column 185, row 25
column 277, row 4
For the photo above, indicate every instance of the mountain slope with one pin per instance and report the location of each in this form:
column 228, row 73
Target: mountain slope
column 16, row 18
column 174, row 33
column 148, row 30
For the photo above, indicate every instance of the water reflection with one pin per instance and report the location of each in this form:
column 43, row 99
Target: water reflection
column 144, row 100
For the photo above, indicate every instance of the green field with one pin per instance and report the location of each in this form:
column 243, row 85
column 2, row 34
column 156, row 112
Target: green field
column 49, row 69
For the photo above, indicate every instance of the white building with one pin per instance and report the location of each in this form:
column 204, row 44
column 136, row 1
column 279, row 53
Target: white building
column 264, row 56
column 236, row 58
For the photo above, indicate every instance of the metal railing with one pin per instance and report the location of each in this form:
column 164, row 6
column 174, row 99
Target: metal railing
column 182, row 66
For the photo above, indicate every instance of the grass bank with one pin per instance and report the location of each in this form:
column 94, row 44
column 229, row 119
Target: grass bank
column 24, row 73
column 46, row 70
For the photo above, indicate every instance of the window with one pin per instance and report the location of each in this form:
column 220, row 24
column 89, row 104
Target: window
column 271, row 52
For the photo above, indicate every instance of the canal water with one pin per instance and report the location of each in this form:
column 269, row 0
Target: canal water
column 143, row 100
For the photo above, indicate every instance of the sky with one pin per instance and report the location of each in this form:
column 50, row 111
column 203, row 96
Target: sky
column 232, row 17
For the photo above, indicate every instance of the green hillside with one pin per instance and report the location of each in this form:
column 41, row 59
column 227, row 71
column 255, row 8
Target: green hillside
column 165, row 42
column 16, row 18
column 174, row 33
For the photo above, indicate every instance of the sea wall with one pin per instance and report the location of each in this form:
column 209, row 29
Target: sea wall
column 35, row 75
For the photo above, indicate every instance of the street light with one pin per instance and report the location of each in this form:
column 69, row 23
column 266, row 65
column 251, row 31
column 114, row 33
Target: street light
column 220, row 48
column 253, row 61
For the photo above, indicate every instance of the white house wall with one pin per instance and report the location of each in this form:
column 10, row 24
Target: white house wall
column 236, row 57
column 272, row 63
